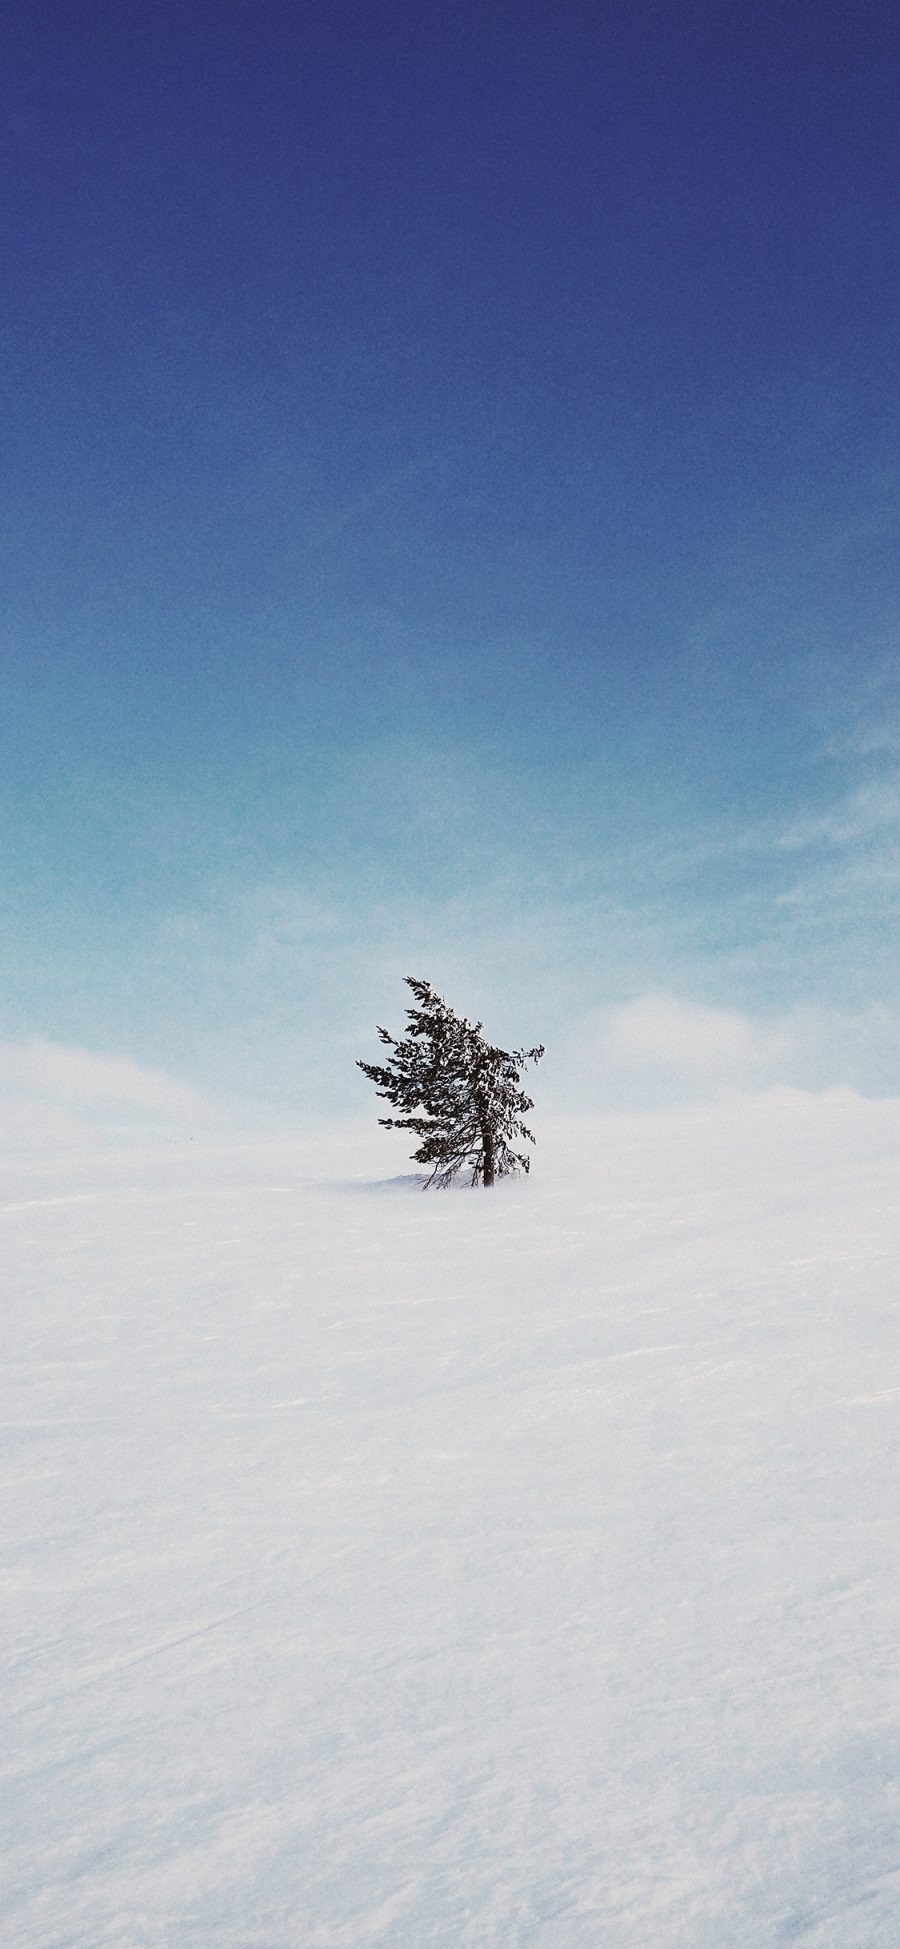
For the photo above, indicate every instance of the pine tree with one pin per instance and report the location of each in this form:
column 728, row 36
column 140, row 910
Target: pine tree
column 460, row 1095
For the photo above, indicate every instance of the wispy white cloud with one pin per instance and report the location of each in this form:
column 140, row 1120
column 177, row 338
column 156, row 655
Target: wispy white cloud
column 51, row 1091
column 848, row 887
column 661, row 1048
column 869, row 738
column 859, row 815
column 665, row 1032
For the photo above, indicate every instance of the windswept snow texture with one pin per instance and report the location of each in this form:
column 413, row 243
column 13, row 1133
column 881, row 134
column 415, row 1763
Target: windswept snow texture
column 469, row 1569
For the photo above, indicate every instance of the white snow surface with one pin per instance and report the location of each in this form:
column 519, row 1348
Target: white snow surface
column 473, row 1569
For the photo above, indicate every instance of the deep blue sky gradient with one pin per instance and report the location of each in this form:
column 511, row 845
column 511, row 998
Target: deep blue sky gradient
column 450, row 472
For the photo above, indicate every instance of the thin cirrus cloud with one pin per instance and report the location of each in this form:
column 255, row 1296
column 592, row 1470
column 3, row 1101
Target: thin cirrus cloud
column 873, row 808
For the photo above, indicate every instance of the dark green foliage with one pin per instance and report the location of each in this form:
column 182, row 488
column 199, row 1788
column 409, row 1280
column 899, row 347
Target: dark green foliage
column 459, row 1094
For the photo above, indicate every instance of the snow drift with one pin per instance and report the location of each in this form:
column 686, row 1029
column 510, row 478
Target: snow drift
column 469, row 1569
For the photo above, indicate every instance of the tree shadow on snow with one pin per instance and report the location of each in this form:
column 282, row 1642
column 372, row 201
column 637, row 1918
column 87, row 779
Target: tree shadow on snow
column 410, row 1181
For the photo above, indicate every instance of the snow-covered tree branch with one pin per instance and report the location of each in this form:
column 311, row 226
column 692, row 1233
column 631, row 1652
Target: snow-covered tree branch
column 460, row 1095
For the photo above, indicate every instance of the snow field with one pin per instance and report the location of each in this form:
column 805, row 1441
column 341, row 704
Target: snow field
column 477, row 1570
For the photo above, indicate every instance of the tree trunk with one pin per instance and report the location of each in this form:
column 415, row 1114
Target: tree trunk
column 487, row 1146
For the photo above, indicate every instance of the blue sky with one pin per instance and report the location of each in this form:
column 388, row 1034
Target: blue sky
column 451, row 502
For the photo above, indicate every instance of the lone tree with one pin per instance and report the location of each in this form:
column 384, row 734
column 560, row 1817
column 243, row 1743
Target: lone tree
column 459, row 1094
